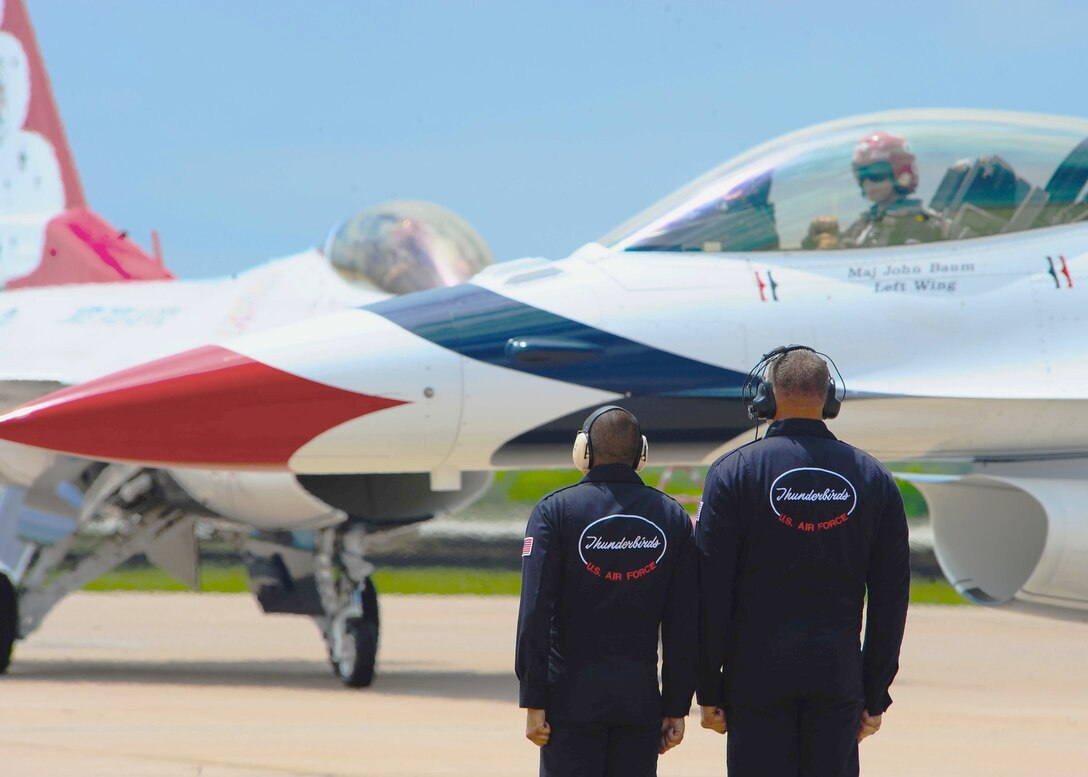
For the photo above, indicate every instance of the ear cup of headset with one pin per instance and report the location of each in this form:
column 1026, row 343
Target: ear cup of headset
column 762, row 405
column 644, row 454
column 832, row 405
column 580, row 454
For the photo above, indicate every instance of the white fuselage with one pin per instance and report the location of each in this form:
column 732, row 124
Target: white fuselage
column 64, row 335
column 949, row 350
column 70, row 334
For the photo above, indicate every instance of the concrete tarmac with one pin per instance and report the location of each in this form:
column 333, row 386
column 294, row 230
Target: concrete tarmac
column 164, row 685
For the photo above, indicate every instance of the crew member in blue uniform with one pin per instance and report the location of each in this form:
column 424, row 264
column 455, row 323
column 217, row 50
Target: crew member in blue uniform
column 608, row 566
column 794, row 532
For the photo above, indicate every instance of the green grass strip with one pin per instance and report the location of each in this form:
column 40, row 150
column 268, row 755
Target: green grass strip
column 934, row 592
column 213, row 579
column 448, row 580
column 411, row 580
column 408, row 580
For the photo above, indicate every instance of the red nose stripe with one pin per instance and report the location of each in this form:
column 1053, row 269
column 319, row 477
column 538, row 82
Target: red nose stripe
column 207, row 407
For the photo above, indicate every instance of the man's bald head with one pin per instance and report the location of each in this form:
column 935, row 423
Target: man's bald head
column 615, row 438
column 799, row 378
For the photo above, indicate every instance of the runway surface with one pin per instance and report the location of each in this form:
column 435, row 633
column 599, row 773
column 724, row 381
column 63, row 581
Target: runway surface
column 163, row 685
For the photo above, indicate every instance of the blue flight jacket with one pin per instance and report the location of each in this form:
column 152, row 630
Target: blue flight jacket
column 794, row 532
column 608, row 565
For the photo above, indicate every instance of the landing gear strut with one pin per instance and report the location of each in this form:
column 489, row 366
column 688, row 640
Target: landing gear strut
column 354, row 662
column 350, row 601
column 120, row 516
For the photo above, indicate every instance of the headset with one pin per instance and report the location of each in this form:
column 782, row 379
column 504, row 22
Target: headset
column 758, row 393
column 583, row 447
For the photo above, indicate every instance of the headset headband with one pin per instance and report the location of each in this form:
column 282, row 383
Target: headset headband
column 757, row 375
column 583, row 445
column 588, row 425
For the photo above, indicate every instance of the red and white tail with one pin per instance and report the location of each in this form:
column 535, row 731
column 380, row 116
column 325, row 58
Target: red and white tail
column 48, row 236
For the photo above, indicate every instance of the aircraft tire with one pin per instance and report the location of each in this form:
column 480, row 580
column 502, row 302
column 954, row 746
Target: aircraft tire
column 356, row 667
column 9, row 621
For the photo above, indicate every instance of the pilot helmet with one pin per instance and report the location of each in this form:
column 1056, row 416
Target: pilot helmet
column 885, row 150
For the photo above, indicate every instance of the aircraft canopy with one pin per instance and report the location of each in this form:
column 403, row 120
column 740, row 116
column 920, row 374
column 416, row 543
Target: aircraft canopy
column 956, row 174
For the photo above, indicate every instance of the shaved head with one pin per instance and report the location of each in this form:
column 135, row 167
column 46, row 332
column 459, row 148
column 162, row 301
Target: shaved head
column 800, row 376
column 615, row 438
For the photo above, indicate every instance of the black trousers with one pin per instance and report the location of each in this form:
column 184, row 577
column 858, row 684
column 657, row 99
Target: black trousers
column 600, row 750
column 814, row 737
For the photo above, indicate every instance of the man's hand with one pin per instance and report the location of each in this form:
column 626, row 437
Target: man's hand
column 537, row 729
column 714, row 719
column 870, row 724
column 672, row 734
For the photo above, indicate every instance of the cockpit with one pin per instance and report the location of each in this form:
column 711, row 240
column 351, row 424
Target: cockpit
column 883, row 179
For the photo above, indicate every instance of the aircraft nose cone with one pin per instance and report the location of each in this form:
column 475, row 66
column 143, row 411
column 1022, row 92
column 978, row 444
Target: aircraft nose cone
column 206, row 407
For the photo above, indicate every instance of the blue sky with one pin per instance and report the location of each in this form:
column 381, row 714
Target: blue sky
column 243, row 130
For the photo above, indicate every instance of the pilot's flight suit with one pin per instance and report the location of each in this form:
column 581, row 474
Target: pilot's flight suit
column 902, row 222
column 793, row 532
column 608, row 563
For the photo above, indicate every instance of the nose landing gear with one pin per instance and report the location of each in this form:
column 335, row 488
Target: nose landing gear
column 353, row 648
column 350, row 601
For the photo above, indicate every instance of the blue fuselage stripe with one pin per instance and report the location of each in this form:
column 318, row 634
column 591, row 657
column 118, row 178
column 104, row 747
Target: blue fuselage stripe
column 479, row 323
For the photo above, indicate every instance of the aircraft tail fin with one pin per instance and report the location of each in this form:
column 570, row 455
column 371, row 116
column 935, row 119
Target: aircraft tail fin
column 48, row 235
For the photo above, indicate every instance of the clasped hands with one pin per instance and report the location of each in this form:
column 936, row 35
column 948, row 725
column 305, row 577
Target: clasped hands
column 539, row 732
column 870, row 724
column 714, row 719
column 537, row 729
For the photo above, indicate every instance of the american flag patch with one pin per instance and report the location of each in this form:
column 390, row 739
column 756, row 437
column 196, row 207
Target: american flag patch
column 527, row 547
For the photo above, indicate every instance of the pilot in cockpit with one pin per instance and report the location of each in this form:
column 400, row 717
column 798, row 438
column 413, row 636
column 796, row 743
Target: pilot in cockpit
column 886, row 170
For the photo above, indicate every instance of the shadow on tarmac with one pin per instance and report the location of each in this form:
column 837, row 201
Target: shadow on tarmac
column 309, row 675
